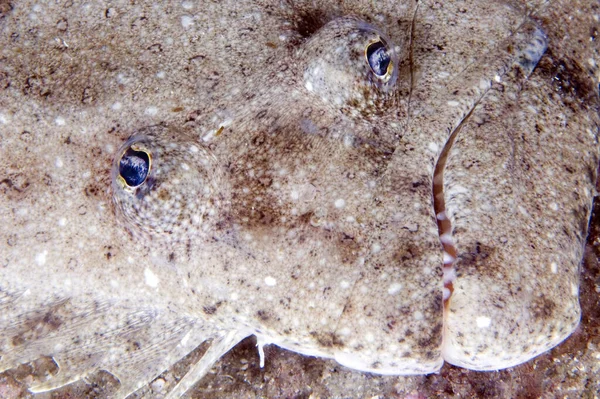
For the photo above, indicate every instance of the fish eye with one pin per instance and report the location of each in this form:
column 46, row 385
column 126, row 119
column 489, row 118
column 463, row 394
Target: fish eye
column 166, row 186
column 379, row 59
column 134, row 166
column 351, row 66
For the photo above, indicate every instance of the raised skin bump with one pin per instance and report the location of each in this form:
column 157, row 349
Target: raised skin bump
column 177, row 191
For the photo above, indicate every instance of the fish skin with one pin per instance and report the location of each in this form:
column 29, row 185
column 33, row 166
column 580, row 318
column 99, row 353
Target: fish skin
column 102, row 216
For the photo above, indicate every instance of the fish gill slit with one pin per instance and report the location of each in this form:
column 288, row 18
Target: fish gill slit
column 443, row 222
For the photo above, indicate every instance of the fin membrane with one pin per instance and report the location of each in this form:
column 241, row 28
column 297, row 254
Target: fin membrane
column 135, row 345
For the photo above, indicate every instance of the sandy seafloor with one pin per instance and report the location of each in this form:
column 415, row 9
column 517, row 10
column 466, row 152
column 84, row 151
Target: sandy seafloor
column 571, row 370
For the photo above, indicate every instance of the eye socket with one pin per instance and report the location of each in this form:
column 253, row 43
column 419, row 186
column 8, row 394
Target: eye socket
column 379, row 59
column 166, row 186
column 134, row 167
column 352, row 67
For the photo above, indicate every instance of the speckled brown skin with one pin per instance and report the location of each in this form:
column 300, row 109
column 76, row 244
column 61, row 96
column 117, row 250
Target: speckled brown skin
column 70, row 92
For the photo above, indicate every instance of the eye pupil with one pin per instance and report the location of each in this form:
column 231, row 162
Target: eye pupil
column 379, row 58
column 134, row 167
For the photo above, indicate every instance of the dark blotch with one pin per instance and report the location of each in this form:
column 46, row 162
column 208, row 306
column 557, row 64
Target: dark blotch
column 5, row 8
column 570, row 80
column 475, row 257
column 263, row 315
column 328, row 339
column 309, row 21
column 209, row 310
column 543, row 308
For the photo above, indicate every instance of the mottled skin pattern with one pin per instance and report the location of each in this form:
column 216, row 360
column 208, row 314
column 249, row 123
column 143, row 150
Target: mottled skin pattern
column 304, row 214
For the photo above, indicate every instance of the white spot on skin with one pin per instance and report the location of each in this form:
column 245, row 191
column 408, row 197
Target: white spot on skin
column 40, row 259
column 418, row 315
column 523, row 211
column 369, row 337
column 60, row 121
column 376, row 247
column 116, row 106
column 433, row 147
column 151, row 111
column 574, row 290
column 457, row 190
column 270, row 281
column 348, row 141
column 58, row 163
column 453, row 103
column 483, row 322
column 339, row 203
column 554, row 267
column 345, row 331
column 187, row 21
column 394, row 288
column 344, row 284
column 158, row 385
column 62, row 222
column 151, row 278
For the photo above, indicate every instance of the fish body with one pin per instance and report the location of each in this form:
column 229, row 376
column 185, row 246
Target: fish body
column 296, row 200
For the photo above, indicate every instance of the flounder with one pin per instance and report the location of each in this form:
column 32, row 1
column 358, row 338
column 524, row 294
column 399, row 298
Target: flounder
column 364, row 183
